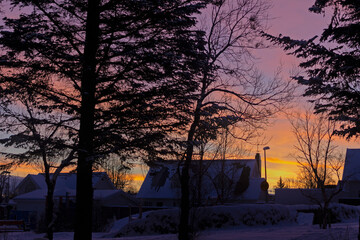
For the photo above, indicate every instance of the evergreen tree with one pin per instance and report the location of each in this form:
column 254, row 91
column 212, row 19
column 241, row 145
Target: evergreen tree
column 280, row 183
column 122, row 72
column 332, row 64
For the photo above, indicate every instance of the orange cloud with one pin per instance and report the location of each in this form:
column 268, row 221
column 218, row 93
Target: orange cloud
column 280, row 161
column 24, row 170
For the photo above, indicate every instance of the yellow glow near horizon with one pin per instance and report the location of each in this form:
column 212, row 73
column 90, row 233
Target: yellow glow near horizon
column 280, row 161
column 23, row 171
column 276, row 168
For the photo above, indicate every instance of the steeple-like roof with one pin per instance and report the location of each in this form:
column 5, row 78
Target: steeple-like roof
column 352, row 165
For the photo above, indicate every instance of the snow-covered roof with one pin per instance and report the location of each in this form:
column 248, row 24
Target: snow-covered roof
column 67, row 181
column 162, row 180
column 352, row 165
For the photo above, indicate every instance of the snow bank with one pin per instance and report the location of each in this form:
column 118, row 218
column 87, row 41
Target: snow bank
column 339, row 212
column 305, row 218
column 344, row 212
column 166, row 221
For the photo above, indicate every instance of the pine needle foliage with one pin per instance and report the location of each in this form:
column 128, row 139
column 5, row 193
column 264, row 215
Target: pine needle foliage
column 332, row 64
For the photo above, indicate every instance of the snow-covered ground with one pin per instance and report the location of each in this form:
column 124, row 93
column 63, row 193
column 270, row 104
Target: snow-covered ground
column 244, row 217
column 245, row 222
column 339, row 231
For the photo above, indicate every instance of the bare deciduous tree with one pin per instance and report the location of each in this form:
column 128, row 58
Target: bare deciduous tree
column 232, row 30
column 118, row 170
column 44, row 139
column 318, row 157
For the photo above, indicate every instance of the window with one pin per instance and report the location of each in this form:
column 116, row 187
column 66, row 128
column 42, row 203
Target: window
column 148, row 203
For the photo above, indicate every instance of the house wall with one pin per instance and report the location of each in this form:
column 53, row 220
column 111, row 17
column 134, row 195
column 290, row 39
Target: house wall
column 117, row 200
column 31, row 205
column 38, row 205
column 104, row 184
column 155, row 202
column 291, row 196
column 352, row 189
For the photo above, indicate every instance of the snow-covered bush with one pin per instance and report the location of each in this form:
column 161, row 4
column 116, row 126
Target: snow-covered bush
column 338, row 212
column 159, row 222
column 344, row 212
column 166, row 221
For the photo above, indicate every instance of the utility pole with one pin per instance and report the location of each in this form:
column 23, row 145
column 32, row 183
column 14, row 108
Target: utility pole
column 266, row 183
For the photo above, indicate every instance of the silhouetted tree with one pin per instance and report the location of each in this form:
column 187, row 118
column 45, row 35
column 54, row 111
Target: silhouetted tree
column 118, row 170
column 40, row 138
column 280, row 183
column 232, row 29
column 316, row 154
column 304, row 179
column 122, row 72
column 332, row 64
column 4, row 184
column 229, row 144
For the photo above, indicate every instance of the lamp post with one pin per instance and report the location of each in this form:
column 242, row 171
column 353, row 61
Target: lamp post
column 266, row 184
column 265, row 148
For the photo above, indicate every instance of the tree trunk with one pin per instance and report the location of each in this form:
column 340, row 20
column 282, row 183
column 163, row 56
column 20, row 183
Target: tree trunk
column 185, row 203
column 199, row 186
column 84, row 191
column 324, row 219
column 49, row 211
column 184, row 231
column 325, row 209
column 325, row 216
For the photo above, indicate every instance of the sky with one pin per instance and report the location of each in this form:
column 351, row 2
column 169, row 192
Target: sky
column 290, row 18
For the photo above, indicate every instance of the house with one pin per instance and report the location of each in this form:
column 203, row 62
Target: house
column 351, row 178
column 349, row 186
column 212, row 181
column 65, row 181
column 32, row 191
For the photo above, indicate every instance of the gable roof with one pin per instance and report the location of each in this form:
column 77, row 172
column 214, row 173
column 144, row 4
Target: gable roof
column 104, row 190
column 162, row 180
column 65, row 181
column 352, row 165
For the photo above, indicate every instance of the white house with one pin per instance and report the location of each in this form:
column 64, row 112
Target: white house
column 32, row 190
column 211, row 180
column 65, row 181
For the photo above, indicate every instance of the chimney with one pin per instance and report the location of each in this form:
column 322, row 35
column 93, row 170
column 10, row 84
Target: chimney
column 258, row 162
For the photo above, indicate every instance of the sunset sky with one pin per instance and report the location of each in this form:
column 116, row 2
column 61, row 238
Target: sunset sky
column 290, row 18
